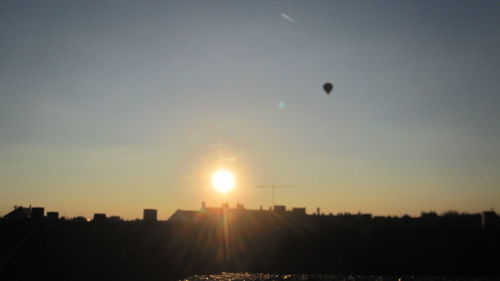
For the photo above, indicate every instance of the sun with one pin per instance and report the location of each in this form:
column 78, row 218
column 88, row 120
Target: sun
column 223, row 181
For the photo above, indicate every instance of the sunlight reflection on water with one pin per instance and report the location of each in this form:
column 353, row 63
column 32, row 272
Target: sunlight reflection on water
column 327, row 277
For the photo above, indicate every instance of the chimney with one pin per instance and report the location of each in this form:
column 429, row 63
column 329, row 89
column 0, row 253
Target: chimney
column 150, row 215
column 203, row 207
column 317, row 211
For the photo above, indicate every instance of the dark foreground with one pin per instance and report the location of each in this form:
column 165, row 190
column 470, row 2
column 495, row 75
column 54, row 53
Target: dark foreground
column 326, row 277
column 269, row 242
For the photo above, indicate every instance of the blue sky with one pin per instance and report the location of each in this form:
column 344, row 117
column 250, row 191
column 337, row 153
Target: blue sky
column 115, row 106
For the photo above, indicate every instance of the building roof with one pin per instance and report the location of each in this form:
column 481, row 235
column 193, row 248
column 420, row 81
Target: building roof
column 184, row 216
column 19, row 213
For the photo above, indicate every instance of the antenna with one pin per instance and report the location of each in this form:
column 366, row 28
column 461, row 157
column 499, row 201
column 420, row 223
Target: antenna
column 273, row 187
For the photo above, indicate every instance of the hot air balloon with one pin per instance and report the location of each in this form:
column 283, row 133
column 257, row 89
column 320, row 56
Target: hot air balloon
column 328, row 87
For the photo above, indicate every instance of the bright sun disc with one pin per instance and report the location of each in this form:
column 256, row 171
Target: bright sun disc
column 223, row 181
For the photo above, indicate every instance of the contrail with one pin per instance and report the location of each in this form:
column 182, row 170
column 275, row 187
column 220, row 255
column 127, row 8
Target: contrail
column 288, row 18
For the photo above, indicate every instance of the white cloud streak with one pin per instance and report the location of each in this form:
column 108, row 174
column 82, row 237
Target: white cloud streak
column 288, row 18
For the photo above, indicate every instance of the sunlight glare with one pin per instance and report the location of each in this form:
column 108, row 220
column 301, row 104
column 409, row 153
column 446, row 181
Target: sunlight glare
column 223, row 181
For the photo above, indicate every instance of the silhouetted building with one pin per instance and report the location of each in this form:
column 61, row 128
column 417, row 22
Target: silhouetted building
column 185, row 216
column 19, row 213
column 80, row 219
column 98, row 217
column 150, row 215
column 490, row 221
column 455, row 220
column 37, row 213
column 279, row 208
column 299, row 211
column 211, row 212
column 114, row 218
column 22, row 213
column 52, row 216
column 449, row 221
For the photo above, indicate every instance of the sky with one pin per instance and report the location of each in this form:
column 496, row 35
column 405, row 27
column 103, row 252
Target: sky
column 116, row 106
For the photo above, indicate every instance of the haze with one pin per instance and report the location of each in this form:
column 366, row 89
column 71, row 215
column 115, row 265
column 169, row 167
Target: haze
column 116, row 106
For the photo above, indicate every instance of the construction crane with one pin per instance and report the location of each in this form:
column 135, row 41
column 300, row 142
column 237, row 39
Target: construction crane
column 273, row 187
